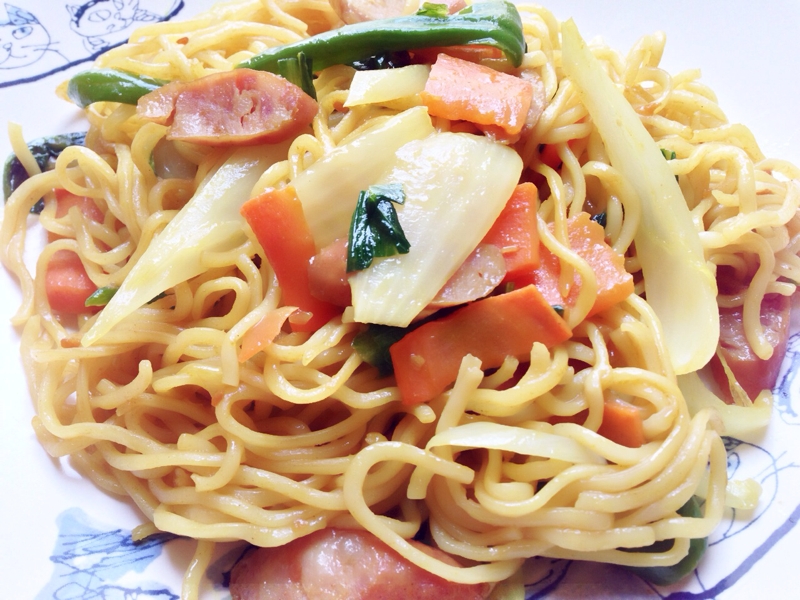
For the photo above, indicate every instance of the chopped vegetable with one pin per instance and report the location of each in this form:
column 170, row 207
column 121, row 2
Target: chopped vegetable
column 456, row 185
column 260, row 335
column 460, row 90
column 374, row 230
column 109, row 85
column 373, row 344
column 515, row 233
column 667, row 244
column 327, row 274
column 519, row 440
column 87, row 206
column 240, row 107
column 674, row 573
column 740, row 421
column 329, row 188
column 494, row 23
column 297, row 70
column 427, row 359
column 622, row 423
column 210, row 221
column 385, row 60
column 386, row 85
column 67, row 284
column 276, row 217
column 101, row 296
column 431, row 9
column 587, row 239
column 45, row 150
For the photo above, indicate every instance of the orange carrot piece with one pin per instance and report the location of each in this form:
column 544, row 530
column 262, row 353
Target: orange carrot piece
column 67, row 284
column 622, row 423
column 549, row 156
column 515, row 233
column 587, row 239
column 276, row 217
column 471, row 52
column 66, row 200
column 262, row 334
column 426, row 360
column 460, row 90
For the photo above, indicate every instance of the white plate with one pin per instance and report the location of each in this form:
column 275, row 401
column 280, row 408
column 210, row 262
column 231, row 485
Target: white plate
column 64, row 538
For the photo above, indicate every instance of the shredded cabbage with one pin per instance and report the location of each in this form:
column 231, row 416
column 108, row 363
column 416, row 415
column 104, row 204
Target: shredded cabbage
column 740, row 421
column 679, row 284
column 528, row 442
column 210, row 221
column 329, row 188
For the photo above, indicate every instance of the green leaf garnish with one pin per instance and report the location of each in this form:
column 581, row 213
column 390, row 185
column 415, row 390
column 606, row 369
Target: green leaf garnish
column 375, row 230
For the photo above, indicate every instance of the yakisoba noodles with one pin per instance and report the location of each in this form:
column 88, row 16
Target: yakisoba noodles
column 304, row 434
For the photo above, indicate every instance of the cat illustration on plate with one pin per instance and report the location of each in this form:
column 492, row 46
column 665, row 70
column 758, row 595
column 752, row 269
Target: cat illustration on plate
column 24, row 40
column 46, row 37
column 98, row 20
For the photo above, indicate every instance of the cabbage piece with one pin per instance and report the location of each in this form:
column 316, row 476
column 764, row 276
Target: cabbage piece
column 455, row 185
column 527, row 442
column 328, row 189
column 386, row 85
column 210, row 221
column 740, row 421
column 679, row 284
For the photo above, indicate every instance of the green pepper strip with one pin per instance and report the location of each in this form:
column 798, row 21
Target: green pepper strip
column 110, row 85
column 496, row 24
column 672, row 574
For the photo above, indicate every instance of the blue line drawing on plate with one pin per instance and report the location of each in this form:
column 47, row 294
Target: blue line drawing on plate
column 98, row 20
column 43, row 39
column 25, row 41
column 90, row 559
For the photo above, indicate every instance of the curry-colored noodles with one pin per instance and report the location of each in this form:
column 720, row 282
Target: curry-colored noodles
column 305, row 435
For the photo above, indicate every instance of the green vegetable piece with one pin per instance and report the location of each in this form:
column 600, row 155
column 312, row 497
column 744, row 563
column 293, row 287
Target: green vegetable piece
column 297, row 70
column 45, row 150
column 432, row 9
column 375, row 230
column 110, row 85
column 101, row 296
column 669, row 154
column 373, row 343
column 673, row 574
column 495, row 23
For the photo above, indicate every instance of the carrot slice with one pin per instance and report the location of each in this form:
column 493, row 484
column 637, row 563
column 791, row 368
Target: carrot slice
column 622, row 423
column 471, row 52
column 262, row 334
column 426, row 360
column 66, row 200
column 460, row 90
column 514, row 231
column 276, row 218
column 67, row 284
column 587, row 239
